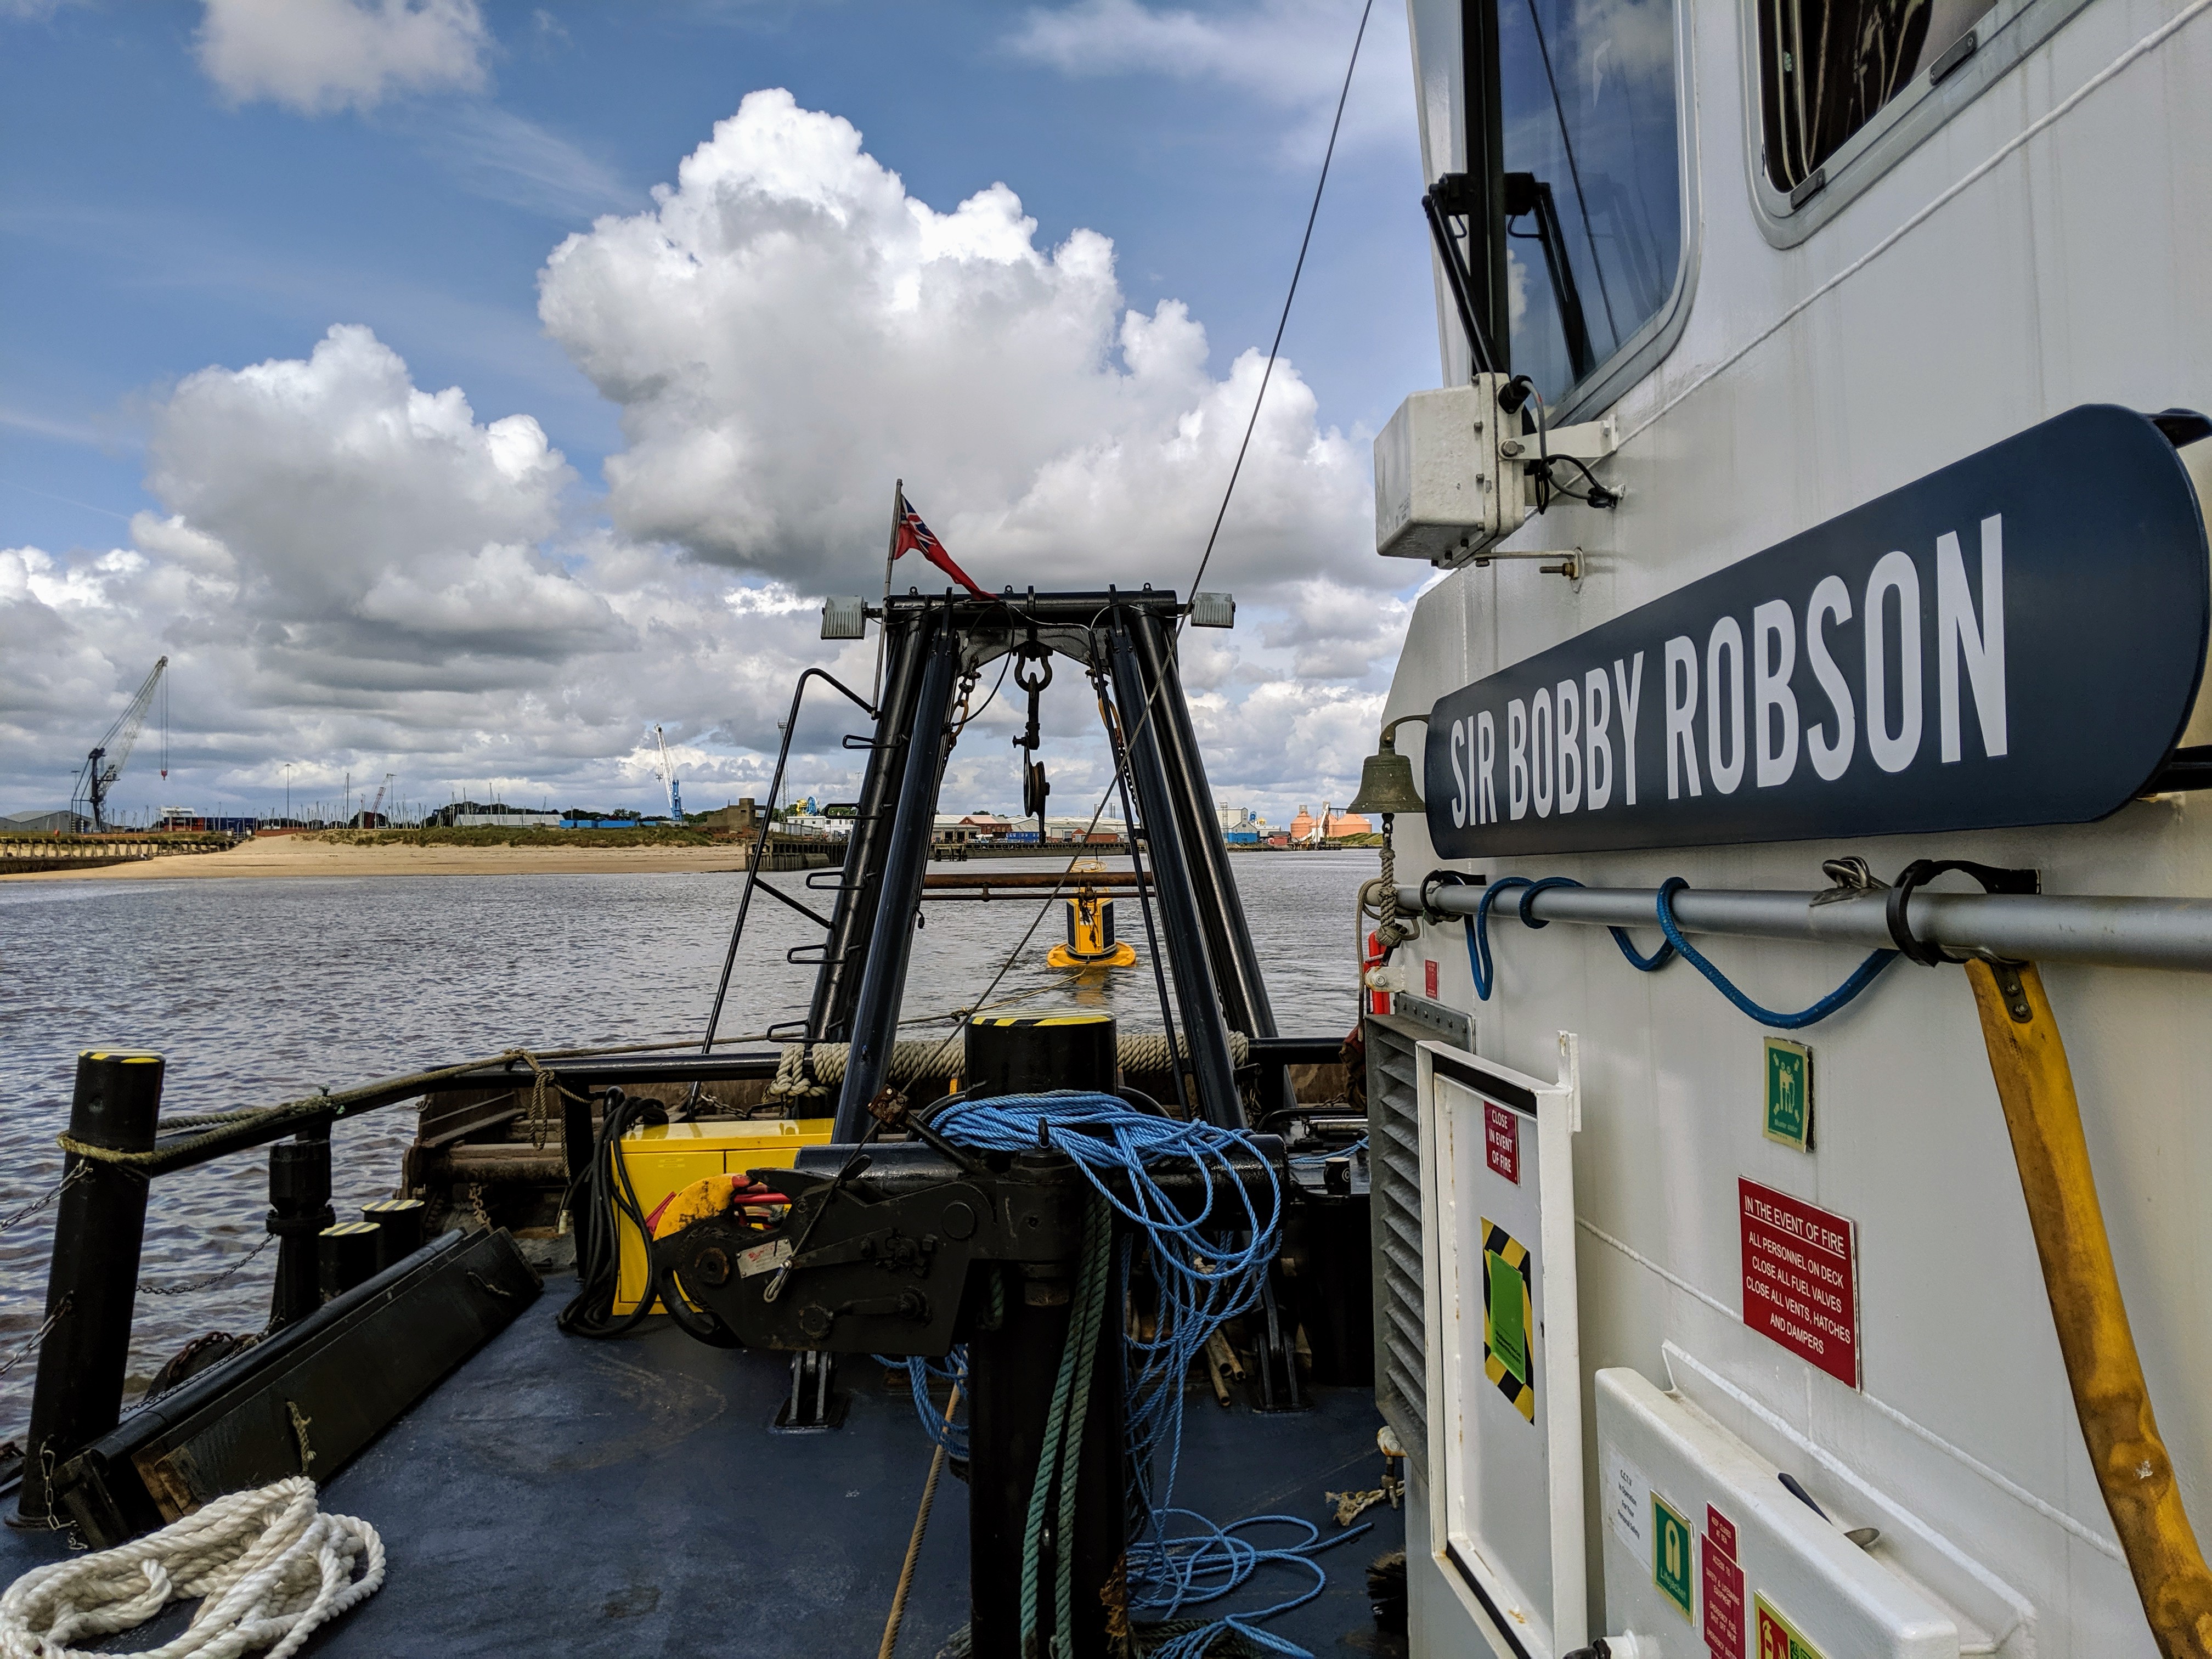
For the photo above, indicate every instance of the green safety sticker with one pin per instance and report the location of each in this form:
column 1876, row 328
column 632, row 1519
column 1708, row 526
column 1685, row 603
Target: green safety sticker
column 1671, row 1539
column 1790, row 1093
column 1508, row 1317
column 1778, row 1637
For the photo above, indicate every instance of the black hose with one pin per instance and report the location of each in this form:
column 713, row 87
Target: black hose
column 608, row 1200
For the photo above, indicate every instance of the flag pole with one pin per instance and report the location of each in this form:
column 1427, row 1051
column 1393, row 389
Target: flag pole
column 891, row 556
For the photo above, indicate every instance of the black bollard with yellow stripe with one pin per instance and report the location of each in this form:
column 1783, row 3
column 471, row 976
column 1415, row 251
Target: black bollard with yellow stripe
column 100, row 1228
column 1012, row 1055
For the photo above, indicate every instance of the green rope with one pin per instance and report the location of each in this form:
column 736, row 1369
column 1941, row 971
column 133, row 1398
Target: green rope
column 1098, row 1255
column 1061, row 1450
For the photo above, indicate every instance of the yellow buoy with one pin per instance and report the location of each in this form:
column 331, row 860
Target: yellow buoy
column 1091, row 941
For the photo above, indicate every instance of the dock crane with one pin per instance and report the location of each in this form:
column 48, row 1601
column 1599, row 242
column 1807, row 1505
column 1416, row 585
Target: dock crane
column 375, row 805
column 105, row 764
column 668, row 776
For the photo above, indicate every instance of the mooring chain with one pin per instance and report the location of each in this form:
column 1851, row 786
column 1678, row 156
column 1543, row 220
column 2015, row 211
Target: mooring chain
column 52, row 1194
column 37, row 1337
column 205, row 1281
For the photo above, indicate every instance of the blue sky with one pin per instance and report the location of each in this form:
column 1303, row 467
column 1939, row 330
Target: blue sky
column 182, row 191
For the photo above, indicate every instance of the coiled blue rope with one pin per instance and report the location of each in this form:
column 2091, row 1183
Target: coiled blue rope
column 1204, row 1562
column 1207, row 1270
column 1485, row 971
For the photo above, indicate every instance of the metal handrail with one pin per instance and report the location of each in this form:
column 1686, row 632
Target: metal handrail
column 2173, row 933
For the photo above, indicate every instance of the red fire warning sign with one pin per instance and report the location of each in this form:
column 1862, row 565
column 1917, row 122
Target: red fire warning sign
column 1801, row 1279
column 1501, row 1140
column 1722, row 1596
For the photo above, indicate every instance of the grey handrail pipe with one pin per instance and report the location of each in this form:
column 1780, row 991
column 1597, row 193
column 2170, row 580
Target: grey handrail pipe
column 2105, row 933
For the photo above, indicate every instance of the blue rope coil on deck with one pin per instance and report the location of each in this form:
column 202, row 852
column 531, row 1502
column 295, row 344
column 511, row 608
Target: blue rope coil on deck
column 1484, row 970
column 1207, row 1269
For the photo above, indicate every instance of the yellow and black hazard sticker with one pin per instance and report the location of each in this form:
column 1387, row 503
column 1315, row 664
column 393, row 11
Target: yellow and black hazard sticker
column 1508, row 1318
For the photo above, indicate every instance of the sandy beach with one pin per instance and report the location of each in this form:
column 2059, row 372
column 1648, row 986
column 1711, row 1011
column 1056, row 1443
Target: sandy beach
column 298, row 856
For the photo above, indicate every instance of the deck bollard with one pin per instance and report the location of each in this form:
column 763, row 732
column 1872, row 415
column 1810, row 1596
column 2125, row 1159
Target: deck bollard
column 399, row 1223
column 299, row 1210
column 345, row 1255
column 99, row 1228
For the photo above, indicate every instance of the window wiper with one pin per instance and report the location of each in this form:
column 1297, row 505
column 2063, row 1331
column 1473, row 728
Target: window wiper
column 1454, row 197
column 1526, row 195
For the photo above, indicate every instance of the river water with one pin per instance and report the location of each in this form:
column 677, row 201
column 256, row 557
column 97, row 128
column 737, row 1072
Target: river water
column 259, row 991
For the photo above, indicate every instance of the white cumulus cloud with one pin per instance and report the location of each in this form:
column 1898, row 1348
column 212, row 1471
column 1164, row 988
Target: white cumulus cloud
column 788, row 329
column 320, row 56
column 367, row 517
column 351, row 573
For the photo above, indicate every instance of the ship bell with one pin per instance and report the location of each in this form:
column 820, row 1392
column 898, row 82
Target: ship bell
column 1386, row 778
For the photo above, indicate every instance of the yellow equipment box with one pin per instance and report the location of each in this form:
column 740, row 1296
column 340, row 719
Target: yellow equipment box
column 664, row 1160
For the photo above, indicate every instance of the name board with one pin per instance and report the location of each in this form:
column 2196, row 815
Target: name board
column 2016, row 638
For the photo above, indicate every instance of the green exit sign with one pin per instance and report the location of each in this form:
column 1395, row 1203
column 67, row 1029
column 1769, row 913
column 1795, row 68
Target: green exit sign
column 1671, row 1538
column 1790, row 1093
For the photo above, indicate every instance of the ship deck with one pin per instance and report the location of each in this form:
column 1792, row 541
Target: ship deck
column 555, row 1494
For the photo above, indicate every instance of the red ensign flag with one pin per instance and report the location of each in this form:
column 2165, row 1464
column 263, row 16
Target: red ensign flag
column 914, row 536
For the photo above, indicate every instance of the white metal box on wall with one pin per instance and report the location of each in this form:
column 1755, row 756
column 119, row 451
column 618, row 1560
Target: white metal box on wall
column 1707, row 1553
column 1505, row 1391
column 1441, row 487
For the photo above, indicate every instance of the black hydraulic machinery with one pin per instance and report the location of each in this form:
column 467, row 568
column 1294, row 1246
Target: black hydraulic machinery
column 936, row 650
column 910, row 1247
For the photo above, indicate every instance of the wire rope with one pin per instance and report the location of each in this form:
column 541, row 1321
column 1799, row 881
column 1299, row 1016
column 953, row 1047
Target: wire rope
column 1283, row 322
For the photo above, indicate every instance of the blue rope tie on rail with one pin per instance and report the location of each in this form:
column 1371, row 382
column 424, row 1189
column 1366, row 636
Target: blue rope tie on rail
column 1477, row 931
column 1486, row 974
column 1861, row 976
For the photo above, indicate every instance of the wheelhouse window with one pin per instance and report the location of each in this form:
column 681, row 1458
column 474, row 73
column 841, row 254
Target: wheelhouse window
column 1590, row 191
column 1828, row 67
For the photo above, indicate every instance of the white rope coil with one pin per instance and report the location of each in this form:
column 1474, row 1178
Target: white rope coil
column 272, row 1570
column 1138, row 1051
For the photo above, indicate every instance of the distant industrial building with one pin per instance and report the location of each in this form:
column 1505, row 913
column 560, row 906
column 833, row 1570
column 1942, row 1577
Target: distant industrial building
column 183, row 819
column 507, row 820
column 1242, row 827
column 970, row 827
column 741, row 819
column 44, row 823
column 492, row 815
column 1331, row 825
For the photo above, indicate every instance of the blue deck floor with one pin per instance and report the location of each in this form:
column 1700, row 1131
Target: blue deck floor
column 562, row 1496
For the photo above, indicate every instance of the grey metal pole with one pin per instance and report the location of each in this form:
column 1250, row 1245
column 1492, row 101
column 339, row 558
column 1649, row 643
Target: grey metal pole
column 1228, row 935
column 1203, row 1028
column 837, row 983
column 100, row 1228
column 883, row 982
column 1243, row 989
column 2108, row 932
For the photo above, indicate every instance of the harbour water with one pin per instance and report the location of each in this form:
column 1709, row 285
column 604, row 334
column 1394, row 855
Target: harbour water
column 257, row 992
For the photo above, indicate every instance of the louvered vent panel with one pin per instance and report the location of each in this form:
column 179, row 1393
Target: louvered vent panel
column 1401, row 1370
